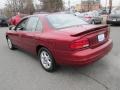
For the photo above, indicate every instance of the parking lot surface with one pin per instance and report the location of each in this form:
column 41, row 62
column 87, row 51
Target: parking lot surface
column 22, row 71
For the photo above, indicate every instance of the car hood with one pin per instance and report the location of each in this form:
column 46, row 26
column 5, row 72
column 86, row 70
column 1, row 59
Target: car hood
column 73, row 31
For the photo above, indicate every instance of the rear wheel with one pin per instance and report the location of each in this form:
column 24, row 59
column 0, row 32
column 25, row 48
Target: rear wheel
column 10, row 45
column 93, row 22
column 46, row 59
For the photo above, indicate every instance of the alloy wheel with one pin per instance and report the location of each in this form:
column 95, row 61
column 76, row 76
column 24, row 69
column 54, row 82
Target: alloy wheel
column 45, row 60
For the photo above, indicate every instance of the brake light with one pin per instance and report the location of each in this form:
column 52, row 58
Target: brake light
column 88, row 18
column 80, row 44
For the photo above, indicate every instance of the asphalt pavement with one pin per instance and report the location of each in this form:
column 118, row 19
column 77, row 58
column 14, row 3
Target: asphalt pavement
column 22, row 71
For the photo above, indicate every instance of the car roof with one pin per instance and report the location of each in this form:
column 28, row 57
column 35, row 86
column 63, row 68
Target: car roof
column 39, row 15
column 44, row 15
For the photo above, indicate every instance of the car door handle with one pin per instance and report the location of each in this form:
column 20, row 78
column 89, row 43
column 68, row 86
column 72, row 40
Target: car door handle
column 31, row 36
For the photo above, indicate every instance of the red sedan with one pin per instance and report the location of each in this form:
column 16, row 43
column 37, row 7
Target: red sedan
column 60, row 39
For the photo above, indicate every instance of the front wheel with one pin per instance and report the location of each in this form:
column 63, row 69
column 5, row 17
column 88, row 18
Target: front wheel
column 46, row 59
column 10, row 45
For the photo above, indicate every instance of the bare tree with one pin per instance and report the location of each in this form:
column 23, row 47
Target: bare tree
column 52, row 5
column 29, row 7
column 38, row 7
column 23, row 6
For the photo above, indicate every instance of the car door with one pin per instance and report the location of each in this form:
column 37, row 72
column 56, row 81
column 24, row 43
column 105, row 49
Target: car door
column 14, row 35
column 28, row 36
column 21, row 27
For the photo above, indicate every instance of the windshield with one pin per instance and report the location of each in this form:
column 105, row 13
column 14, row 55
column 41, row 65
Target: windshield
column 64, row 20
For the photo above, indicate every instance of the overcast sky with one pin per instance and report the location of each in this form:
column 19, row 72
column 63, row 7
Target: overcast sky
column 103, row 2
column 73, row 2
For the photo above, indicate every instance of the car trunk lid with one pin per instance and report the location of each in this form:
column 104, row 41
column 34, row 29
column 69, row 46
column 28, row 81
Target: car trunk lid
column 97, row 35
column 79, row 30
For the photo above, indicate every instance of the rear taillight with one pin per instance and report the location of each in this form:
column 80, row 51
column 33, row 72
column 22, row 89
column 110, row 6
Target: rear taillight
column 88, row 18
column 83, row 43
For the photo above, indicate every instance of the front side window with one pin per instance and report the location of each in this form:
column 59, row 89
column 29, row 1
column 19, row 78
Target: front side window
column 32, row 23
column 22, row 25
column 64, row 20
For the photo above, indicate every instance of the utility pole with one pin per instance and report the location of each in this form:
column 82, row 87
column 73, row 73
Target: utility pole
column 81, row 5
column 88, row 8
column 106, row 5
column 110, row 6
column 69, row 5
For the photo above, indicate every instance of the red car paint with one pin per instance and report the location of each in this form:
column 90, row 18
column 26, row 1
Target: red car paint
column 64, row 43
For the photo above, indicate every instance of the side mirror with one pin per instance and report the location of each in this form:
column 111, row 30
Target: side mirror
column 20, row 28
column 12, row 27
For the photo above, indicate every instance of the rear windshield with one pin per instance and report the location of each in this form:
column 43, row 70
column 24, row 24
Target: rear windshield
column 116, row 12
column 64, row 20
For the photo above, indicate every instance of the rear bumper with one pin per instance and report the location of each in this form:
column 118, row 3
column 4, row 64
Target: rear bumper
column 113, row 22
column 83, row 57
column 3, row 24
column 98, row 21
column 95, row 21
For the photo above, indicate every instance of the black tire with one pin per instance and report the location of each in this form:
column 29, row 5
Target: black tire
column 52, row 66
column 10, row 45
column 93, row 22
column 100, row 23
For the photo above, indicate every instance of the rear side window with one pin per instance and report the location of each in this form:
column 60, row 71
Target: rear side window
column 32, row 23
column 64, row 20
